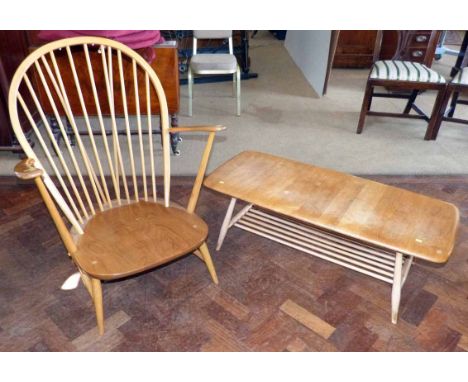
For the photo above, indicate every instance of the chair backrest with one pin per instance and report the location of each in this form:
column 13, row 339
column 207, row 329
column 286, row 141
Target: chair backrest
column 212, row 34
column 88, row 82
column 403, row 41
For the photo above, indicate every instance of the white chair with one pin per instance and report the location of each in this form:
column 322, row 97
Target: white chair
column 214, row 63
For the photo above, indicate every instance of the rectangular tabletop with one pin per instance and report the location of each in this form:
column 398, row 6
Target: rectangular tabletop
column 362, row 209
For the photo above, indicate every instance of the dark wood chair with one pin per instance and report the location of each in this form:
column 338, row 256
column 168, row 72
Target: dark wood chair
column 459, row 84
column 403, row 79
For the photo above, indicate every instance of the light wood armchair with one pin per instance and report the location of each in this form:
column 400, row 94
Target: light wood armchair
column 114, row 223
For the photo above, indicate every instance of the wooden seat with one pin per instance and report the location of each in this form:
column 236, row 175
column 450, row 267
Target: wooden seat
column 130, row 239
column 363, row 225
column 121, row 222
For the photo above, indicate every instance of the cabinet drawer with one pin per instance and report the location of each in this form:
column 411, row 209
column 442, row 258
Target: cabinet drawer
column 415, row 54
column 419, row 40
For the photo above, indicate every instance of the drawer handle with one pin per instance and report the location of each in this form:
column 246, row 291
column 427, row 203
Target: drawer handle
column 417, row 53
column 421, row 38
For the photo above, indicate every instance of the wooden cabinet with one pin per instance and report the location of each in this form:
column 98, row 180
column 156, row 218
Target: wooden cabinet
column 13, row 49
column 16, row 45
column 357, row 49
column 417, row 45
column 165, row 66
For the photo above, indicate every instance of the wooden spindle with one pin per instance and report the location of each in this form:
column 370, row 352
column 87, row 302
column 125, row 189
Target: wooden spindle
column 65, row 137
column 140, row 135
column 88, row 125
column 52, row 139
column 127, row 124
column 115, row 134
column 150, row 135
column 74, row 218
column 62, row 94
column 101, row 120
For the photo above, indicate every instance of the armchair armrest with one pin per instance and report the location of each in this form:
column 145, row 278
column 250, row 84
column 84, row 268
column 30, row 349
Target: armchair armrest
column 211, row 130
column 25, row 169
column 202, row 129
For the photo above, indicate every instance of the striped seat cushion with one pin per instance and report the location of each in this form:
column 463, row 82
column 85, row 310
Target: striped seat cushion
column 404, row 71
column 461, row 78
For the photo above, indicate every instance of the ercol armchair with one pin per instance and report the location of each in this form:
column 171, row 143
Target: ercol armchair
column 214, row 64
column 105, row 186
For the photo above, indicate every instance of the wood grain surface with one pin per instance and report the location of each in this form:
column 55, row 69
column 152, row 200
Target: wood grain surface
column 269, row 298
column 130, row 239
column 386, row 216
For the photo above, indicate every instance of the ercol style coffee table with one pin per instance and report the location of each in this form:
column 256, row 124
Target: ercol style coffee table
column 360, row 224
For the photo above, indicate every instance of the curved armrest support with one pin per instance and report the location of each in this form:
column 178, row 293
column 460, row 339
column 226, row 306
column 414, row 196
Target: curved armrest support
column 197, row 129
column 25, row 169
column 211, row 130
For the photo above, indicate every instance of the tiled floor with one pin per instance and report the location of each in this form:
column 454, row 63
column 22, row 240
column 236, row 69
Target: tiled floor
column 270, row 298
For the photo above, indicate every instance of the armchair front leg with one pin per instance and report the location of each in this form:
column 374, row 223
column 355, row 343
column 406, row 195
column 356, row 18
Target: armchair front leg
column 211, row 130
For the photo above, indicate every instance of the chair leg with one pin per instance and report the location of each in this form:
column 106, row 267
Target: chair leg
column 441, row 113
column 370, row 99
column 436, row 110
column 453, row 104
column 411, row 100
column 97, row 299
column 238, row 93
column 86, row 282
column 190, row 91
column 365, row 107
column 396, row 290
column 234, row 85
column 209, row 263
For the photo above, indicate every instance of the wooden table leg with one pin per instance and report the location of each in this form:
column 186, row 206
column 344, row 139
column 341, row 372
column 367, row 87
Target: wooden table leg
column 396, row 290
column 225, row 225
